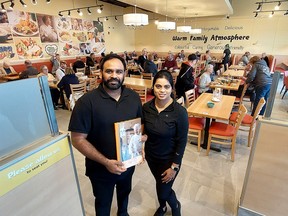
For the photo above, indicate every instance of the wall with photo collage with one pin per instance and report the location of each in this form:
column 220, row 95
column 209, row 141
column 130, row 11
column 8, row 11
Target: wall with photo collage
column 25, row 35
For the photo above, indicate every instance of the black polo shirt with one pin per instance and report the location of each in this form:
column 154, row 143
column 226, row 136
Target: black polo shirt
column 95, row 114
column 167, row 132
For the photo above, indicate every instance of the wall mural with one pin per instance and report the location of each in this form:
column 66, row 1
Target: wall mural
column 25, row 35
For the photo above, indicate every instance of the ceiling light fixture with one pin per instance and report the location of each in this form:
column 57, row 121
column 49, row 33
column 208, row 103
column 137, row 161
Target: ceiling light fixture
column 48, row 1
column 34, row 2
column 184, row 28
column 99, row 10
column 23, row 3
column 196, row 30
column 11, row 5
column 256, row 14
column 271, row 15
column 106, row 19
column 116, row 19
column 98, row 19
column 3, row 7
column 69, row 13
column 166, row 26
column 135, row 20
column 89, row 11
column 59, row 14
column 80, row 13
column 277, row 7
column 286, row 13
column 259, row 7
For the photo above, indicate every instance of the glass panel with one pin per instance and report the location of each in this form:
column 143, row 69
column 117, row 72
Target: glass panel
column 23, row 118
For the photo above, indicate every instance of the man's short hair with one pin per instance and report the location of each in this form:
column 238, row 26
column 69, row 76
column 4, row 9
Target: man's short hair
column 112, row 56
column 63, row 62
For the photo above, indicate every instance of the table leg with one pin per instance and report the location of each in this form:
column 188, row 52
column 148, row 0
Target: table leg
column 206, row 136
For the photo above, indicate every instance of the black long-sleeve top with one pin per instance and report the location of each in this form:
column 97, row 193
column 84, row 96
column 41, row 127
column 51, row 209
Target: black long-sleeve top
column 167, row 132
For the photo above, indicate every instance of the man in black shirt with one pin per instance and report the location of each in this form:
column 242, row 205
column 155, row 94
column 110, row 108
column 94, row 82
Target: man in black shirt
column 29, row 72
column 93, row 134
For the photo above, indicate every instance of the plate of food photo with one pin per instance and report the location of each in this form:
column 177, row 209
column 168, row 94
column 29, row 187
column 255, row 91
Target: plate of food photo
column 25, row 27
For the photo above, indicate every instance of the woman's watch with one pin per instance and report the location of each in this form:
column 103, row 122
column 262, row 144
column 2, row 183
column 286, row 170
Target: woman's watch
column 175, row 168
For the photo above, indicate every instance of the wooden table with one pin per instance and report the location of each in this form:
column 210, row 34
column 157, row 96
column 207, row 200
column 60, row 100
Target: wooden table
column 221, row 110
column 232, row 86
column 11, row 77
column 138, row 81
column 233, row 73
column 238, row 67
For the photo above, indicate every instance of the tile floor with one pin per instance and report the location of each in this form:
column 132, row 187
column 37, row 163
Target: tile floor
column 206, row 185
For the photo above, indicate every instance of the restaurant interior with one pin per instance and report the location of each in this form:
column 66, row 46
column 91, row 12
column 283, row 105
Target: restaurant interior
column 250, row 180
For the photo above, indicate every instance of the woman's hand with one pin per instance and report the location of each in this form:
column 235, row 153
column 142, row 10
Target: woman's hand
column 168, row 175
column 144, row 138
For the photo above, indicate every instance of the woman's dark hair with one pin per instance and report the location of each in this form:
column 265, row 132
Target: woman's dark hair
column 112, row 56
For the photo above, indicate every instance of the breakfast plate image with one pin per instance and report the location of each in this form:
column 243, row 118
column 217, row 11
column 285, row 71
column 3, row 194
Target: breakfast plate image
column 26, row 28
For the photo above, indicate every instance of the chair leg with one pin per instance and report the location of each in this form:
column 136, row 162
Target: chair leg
column 199, row 140
column 208, row 144
column 233, row 148
column 284, row 93
column 250, row 136
column 282, row 89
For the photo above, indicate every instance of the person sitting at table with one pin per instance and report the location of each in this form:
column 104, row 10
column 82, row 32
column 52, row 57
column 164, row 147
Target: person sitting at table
column 155, row 56
column 91, row 60
column 78, row 64
column 205, row 80
column 245, row 58
column 207, row 57
column 69, row 78
column 170, row 63
column 150, row 66
column 29, row 72
column 181, row 55
column 185, row 79
column 126, row 56
column 6, row 69
column 55, row 93
column 60, row 72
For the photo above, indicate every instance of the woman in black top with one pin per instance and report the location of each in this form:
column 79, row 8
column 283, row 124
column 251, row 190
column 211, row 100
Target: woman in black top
column 166, row 124
column 226, row 56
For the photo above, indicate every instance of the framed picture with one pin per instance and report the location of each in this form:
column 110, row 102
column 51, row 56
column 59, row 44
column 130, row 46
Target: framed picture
column 128, row 142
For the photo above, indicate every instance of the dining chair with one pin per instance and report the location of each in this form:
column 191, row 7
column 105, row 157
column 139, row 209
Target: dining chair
column 225, row 134
column 239, row 101
column 136, row 76
column 93, row 84
column 141, row 90
column 196, row 124
column 77, row 91
column 248, row 120
column 147, row 76
column 285, row 83
column 80, row 70
column 190, row 97
column 181, row 101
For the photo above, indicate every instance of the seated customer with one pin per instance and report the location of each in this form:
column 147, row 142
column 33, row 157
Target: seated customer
column 55, row 93
column 170, row 63
column 69, row 78
column 6, row 69
column 91, row 60
column 245, row 58
column 29, row 72
column 78, row 64
column 205, row 79
column 60, row 72
column 149, row 65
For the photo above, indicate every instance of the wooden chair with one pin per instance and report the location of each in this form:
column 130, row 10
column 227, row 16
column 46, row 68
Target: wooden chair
column 80, row 70
column 285, row 78
column 226, row 134
column 196, row 125
column 248, row 120
column 239, row 101
column 181, row 101
column 93, row 84
column 141, row 90
column 147, row 76
column 136, row 76
column 190, row 97
column 77, row 90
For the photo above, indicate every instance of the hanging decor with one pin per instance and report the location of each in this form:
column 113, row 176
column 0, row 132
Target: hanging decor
column 135, row 20
column 165, row 25
column 184, row 28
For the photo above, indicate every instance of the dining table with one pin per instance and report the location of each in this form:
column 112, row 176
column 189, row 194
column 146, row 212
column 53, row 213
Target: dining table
column 221, row 111
column 234, row 73
column 138, row 81
column 233, row 85
column 237, row 67
column 11, row 77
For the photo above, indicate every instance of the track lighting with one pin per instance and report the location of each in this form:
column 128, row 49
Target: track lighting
column 11, row 5
column 79, row 12
column 267, row 6
column 256, row 14
column 69, row 13
column 23, row 3
column 3, row 8
column 106, row 18
column 48, row 1
column 99, row 10
column 60, row 14
column 277, row 6
column 98, row 19
column 259, row 7
column 286, row 13
column 89, row 11
column 116, row 19
column 34, row 2
column 271, row 15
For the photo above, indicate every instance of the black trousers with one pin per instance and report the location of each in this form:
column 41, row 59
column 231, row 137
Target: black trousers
column 103, row 190
column 165, row 193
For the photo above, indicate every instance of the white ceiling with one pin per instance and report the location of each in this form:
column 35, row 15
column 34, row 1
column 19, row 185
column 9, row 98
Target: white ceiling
column 194, row 8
